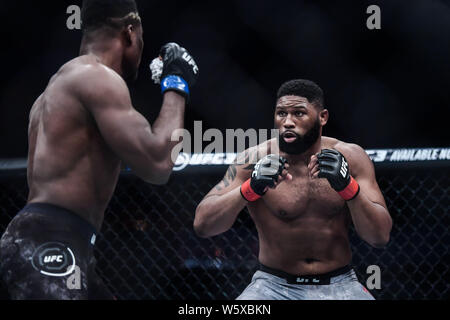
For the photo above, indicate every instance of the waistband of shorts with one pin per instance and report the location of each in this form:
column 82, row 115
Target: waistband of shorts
column 82, row 227
column 312, row 279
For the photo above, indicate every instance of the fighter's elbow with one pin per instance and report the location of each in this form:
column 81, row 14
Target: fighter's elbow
column 378, row 245
column 384, row 236
column 380, row 235
column 164, row 175
column 380, row 242
column 200, row 229
column 159, row 180
column 158, row 174
column 199, row 223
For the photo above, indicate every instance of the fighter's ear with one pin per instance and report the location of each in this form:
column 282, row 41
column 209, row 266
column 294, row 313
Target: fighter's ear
column 323, row 117
column 128, row 34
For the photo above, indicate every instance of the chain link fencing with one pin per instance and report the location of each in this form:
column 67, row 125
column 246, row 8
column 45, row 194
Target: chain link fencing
column 148, row 250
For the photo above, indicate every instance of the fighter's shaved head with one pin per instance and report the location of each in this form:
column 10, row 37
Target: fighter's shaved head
column 96, row 14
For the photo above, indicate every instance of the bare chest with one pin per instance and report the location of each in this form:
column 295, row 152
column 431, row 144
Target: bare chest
column 302, row 197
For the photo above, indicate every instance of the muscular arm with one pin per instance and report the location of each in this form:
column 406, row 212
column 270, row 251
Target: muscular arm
column 368, row 210
column 219, row 209
column 146, row 150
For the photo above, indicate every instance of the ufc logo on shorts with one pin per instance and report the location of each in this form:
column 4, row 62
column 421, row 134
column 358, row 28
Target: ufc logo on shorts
column 186, row 57
column 344, row 168
column 49, row 259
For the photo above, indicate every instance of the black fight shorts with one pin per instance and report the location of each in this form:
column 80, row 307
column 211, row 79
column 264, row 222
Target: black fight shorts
column 46, row 253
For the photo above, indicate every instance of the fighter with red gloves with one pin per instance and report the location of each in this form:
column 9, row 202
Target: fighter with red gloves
column 303, row 196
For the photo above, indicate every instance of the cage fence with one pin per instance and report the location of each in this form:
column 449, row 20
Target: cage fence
column 147, row 248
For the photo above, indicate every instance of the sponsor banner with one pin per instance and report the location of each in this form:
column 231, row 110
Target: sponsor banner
column 376, row 155
column 410, row 155
column 195, row 159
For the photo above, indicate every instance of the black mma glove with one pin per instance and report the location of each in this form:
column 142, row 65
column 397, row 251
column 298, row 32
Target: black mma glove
column 334, row 168
column 264, row 175
column 180, row 72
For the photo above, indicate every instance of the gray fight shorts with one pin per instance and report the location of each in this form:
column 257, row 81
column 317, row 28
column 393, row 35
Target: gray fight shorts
column 271, row 284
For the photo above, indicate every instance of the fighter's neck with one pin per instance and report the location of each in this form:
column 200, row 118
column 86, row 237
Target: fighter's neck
column 107, row 52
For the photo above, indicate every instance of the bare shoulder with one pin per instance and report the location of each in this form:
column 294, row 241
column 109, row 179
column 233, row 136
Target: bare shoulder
column 91, row 80
column 88, row 72
column 245, row 161
column 251, row 155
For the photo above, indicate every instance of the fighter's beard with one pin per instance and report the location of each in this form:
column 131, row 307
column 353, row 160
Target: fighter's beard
column 302, row 143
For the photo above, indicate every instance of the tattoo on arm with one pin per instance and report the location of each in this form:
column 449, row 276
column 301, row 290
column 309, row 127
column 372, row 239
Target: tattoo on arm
column 230, row 175
column 250, row 160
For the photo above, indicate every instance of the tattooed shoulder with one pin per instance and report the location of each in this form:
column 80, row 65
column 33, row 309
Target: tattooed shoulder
column 244, row 161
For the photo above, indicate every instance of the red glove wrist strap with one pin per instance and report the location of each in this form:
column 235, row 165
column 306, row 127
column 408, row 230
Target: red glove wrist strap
column 351, row 191
column 248, row 193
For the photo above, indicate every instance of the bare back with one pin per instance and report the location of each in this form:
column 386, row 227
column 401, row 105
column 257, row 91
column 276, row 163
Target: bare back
column 69, row 163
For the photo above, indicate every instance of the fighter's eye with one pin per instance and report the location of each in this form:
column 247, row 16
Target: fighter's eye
column 281, row 113
column 299, row 113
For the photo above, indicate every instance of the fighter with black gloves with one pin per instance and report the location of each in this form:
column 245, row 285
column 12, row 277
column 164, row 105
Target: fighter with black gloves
column 302, row 210
column 334, row 167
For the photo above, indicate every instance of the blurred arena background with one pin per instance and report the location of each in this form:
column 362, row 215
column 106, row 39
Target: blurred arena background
column 384, row 89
